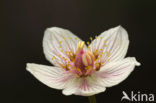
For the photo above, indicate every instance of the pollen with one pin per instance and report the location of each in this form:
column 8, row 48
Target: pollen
column 88, row 43
column 60, row 42
column 61, row 50
column 95, row 37
column 76, row 39
column 105, row 41
column 64, row 38
column 60, row 55
column 80, row 44
column 91, row 38
column 53, row 58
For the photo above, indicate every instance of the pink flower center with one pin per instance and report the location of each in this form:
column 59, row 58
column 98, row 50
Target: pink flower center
column 83, row 62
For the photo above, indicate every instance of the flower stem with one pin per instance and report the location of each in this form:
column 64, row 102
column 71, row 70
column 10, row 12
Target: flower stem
column 92, row 99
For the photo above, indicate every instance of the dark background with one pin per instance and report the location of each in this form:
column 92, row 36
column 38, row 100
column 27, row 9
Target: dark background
column 22, row 24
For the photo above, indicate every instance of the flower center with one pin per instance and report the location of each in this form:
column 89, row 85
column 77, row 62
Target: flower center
column 84, row 61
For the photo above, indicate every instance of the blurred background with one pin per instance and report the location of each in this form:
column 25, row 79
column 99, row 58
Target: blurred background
column 22, row 25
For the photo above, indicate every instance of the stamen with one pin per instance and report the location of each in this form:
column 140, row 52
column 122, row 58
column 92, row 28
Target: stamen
column 60, row 42
column 81, row 44
column 87, row 42
column 95, row 37
column 53, row 58
column 61, row 50
column 91, row 38
column 75, row 38
column 64, row 38
column 60, row 55
column 105, row 41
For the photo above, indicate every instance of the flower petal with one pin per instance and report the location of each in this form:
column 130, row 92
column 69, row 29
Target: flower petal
column 57, row 42
column 113, row 43
column 115, row 72
column 85, row 86
column 53, row 77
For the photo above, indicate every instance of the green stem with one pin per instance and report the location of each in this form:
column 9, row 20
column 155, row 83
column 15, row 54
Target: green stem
column 92, row 99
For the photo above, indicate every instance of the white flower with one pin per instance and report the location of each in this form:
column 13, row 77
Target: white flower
column 83, row 70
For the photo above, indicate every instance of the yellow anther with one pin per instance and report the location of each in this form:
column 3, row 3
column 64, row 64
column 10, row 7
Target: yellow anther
column 88, row 47
column 87, row 42
column 60, row 47
column 90, row 67
column 105, row 45
column 61, row 50
column 97, row 59
column 105, row 41
column 70, row 53
column 60, row 55
column 107, row 52
column 95, row 37
column 75, row 38
column 68, row 65
column 66, row 52
column 100, row 37
column 100, row 55
column 80, row 44
column 91, row 38
column 96, row 51
column 96, row 64
column 70, row 38
column 53, row 58
column 78, row 69
column 64, row 38
column 60, row 42
column 64, row 59
column 101, row 49
column 86, row 68
column 68, row 62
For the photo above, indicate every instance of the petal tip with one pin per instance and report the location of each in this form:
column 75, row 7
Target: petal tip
column 136, row 62
column 29, row 66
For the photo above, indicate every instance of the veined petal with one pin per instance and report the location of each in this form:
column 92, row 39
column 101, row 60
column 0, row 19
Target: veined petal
column 57, row 42
column 53, row 77
column 85, row 86
column 113, row 43
column 115, row 72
